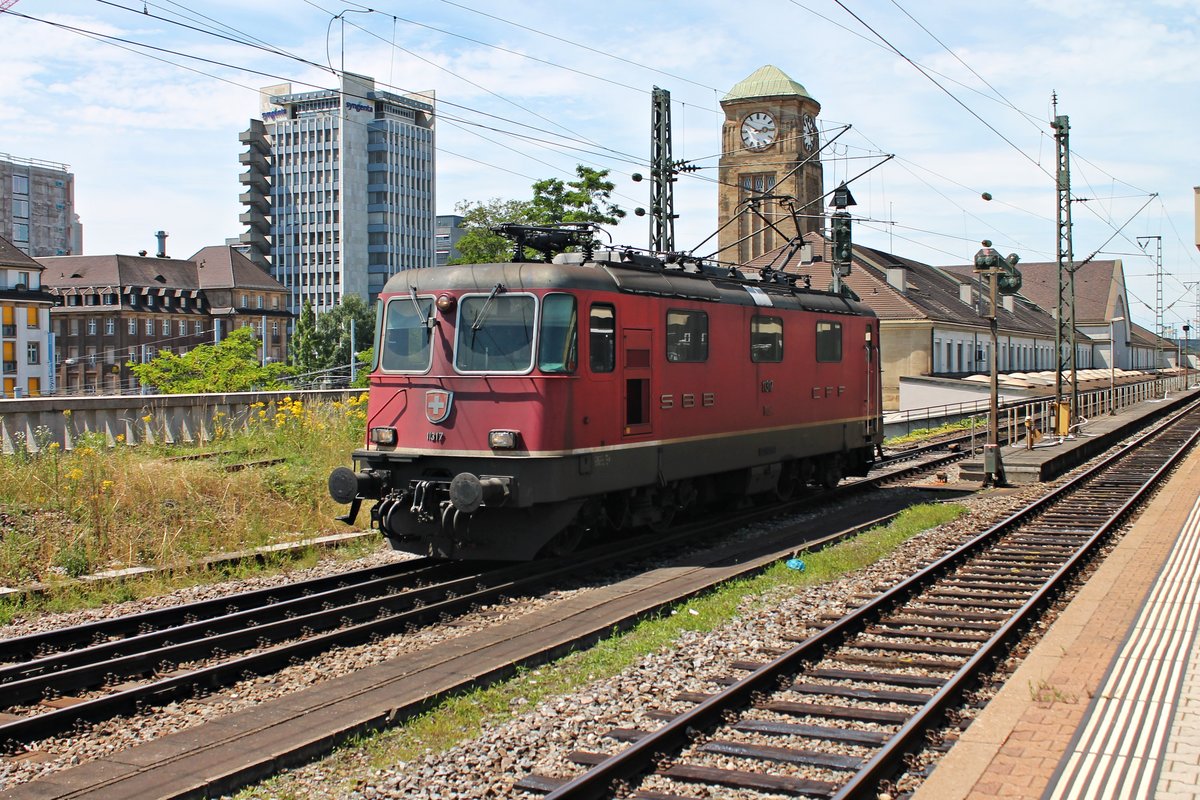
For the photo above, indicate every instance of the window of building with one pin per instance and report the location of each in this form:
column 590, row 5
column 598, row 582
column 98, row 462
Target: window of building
column 766, row 339
column 73, row 327
column 110, row 326
column 20, row 184
column 110, row 299
column 33, row 353
column 687, row 336
column 183, row 327
column 829, row 341
column 245, row 301
column 166, row 327
column 20, row 231
column 33, row 318
column 198, row 328
column 91, row 326
column 21, row 208
column 149, row 327
column 133, row 326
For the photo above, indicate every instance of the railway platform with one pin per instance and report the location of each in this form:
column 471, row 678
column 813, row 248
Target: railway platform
column 1107, row 704
column 1051, row 456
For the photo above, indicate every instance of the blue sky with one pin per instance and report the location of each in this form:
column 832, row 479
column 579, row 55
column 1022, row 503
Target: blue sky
column 529, row 88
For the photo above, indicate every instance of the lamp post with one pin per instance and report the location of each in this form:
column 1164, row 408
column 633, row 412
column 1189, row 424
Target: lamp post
column 1112, row 364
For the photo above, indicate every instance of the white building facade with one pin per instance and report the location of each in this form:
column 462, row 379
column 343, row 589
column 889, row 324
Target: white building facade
column 345, row 181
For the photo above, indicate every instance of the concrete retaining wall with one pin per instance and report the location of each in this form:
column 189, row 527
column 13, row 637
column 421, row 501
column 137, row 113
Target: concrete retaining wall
column 34, row 423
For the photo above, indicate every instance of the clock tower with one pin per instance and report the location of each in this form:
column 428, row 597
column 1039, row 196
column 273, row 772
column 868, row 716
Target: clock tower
column 770, row 130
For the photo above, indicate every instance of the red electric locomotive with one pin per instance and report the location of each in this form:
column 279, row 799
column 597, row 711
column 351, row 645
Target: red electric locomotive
column 517, row 408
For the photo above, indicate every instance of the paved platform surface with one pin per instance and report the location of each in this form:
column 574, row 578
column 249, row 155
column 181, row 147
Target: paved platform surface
column 1108, row 703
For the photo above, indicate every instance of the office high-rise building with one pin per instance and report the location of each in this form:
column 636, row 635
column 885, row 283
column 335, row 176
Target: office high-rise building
column 37, row 207
column 339, row 189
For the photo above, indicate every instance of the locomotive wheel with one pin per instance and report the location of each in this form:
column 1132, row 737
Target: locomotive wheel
column 789, row 481
column 566, row 542
column 830, row 472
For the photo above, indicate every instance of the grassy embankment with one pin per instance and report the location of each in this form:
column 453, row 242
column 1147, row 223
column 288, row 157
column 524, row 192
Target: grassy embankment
column 105, row 505
column 464, row 717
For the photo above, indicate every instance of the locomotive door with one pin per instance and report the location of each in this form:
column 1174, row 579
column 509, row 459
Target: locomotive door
column 635, row 363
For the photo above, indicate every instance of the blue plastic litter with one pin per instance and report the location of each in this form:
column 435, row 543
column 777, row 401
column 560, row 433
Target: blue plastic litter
column 796, row 564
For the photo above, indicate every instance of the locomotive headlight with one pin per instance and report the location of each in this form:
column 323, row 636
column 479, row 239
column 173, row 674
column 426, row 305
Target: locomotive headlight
column 446, row 303
column 383, row 436
column 502, row 440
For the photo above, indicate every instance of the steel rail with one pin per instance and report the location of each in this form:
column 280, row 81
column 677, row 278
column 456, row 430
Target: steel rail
column 24, row 648
column 674, row 735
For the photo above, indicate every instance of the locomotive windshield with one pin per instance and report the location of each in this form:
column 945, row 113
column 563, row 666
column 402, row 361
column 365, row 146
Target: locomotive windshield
column 495, row 333
column 406, row 336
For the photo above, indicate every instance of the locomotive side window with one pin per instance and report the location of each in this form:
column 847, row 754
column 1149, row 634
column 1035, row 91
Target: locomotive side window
column 495, row 333
column 405, row 336
column 602, row 338
column 829, row 341
column 766, row 339
column 687, row 336
column 558, row 343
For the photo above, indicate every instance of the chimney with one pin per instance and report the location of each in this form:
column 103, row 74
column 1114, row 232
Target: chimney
column 1008, row 301
column 162, row 244
column 897, row 277
column 964, row 293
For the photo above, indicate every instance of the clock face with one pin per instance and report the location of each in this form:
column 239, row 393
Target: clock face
column 758, row 130
column 812, row 137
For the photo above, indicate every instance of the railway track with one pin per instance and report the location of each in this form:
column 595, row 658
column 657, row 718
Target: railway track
column 56, row 680
column 840, row 714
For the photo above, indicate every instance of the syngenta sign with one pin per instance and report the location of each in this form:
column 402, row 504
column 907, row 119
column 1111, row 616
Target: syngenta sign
column 352, row 106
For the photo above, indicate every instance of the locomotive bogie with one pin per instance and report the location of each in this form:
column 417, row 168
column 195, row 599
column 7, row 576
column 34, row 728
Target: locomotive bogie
column 522, row 408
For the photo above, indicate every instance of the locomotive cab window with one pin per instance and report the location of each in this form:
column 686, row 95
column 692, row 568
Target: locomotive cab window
column 406, row 338
column 495, row 333
column 766, row 339
column 687, row 336
column 558, row 340
column 829, row 341
column 602, row 338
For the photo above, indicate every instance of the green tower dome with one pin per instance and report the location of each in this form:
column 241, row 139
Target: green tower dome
column 768, row 81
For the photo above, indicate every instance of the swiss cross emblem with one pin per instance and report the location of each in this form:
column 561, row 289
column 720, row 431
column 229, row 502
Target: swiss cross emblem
column 437, row 405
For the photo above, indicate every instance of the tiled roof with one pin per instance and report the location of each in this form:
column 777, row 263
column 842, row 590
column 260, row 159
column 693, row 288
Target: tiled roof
column 13, row 256
column 1098, row 286
column 932, row 293
column 219, row 267
column 63, row 272
column 222, row 267
column 768, row 81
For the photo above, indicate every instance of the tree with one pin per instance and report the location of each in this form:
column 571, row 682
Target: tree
column 478, row 244
column 303, row 345
column 321, row 344
column 582, row 200
column 232, row 365
column 585, row 199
